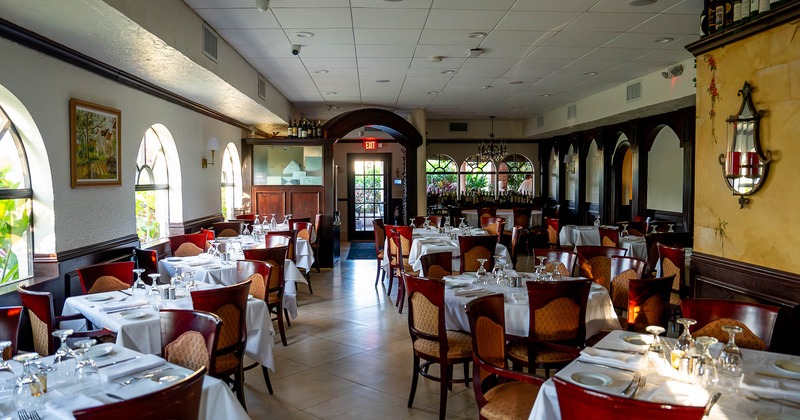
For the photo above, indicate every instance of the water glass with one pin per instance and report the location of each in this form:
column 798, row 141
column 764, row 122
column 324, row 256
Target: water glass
column 705, row 369
column 86, row 370
column 730, row 360
column 28, row 387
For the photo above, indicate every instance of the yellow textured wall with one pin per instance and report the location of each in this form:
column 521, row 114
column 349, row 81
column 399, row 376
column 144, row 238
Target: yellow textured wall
column 767, row 232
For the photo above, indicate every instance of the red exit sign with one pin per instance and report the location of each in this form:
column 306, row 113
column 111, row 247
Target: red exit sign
column 370, row 144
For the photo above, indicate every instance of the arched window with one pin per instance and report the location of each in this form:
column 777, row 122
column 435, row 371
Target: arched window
column 16, row 250
column 512, row 171
column 441, row 174
column 231, row 182
column 152, row 189
column 477, row 175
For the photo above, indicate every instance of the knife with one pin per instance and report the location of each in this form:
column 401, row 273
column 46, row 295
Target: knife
column 118, row 361
column 619, row 350
column 773, row 375
column 124, row 292
column 126, row 309
column 605, row 366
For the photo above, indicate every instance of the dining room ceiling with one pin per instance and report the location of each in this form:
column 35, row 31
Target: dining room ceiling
column 457, row 59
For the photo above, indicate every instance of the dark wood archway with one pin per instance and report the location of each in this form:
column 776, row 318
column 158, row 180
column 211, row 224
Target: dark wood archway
column 396, row 126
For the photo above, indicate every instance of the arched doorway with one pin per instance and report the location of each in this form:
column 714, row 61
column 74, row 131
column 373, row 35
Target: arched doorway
column 622, row 175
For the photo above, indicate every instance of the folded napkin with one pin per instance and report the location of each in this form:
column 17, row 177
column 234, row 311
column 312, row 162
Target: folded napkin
column 680, row 393
column 771, row 387
column 633, row 239
column 62, row 407
column 611, row 358
column 468, row 291
column 116, row 306
column 119, row 370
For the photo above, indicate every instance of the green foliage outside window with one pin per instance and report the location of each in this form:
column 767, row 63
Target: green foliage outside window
column 147, row 226
column 14, row 224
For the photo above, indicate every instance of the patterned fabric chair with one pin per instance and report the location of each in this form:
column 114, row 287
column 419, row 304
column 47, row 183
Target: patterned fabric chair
column 436, row 265
column 431, row 341
column 623, row 270
column 557, row 260
column 557, row 325
column 609, row 236
column 575, row 402
column 44, row 321
column 501, row 393
column 227, row 229
column 9, row 329
column 148, row 260
column 402, row 248
column 595, row 262
column 552, row 232
column 522, row 218
column 406, row 234
column 276, row 257
column 473, row 247
column 672, row 261
column 266, row 283
column 107, row 277
column 179, row 401
column 187, row 245
column 188, row 338
column 756, row 320
column 292, row 255
column 648, row 303
column 230, row 304
column 494, row 226
column 487, row 212
column 379, row 236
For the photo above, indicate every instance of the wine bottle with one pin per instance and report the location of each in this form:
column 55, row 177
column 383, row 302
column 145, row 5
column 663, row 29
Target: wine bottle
column 753, row 8
column 737, row 12
column 711, row 18
column 745, row 10
column 763, row 6
column 319, row 129
column 774, row 3
column 719, row 16
column 728, row 13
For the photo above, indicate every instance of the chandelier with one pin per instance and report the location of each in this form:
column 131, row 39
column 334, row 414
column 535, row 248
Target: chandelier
column 492, row 151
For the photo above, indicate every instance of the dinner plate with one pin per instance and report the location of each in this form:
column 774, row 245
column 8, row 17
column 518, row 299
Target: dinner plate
column 99, row 298
column 167, row 376
column 591, row 379
column 174, row 259
column 773, row 415
column 789, row 366
column 635, row 339
column 133, row 314
column 100, row 350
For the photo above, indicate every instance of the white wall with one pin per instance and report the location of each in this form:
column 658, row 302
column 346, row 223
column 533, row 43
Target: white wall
column 89, row 215
column 594, row 170
column 572, row 177
column 665, row 173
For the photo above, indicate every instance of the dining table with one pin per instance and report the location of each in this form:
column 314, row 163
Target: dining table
column 590, row 235
column 461, row 289
column 472, row 219
column 769, row 388
column 118, row 367
column 134, row 318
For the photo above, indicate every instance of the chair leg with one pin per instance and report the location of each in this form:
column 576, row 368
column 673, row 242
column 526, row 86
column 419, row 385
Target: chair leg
column 286, row 317
column 414, row 379
column 444, row 384
column 238, row 383
column 310, row 290
column 391, row 281
column 401, row 295
column 466, row 375
column 280, row 327
column 378, row 273
column 266, row 379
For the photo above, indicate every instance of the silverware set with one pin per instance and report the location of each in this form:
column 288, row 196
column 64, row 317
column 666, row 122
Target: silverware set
column 636, row 377
column 638, row 382
column 28, row 415
column 143, row 376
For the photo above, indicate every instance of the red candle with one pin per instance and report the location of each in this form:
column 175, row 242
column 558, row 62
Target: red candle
column 750, row 165
column 733, row 165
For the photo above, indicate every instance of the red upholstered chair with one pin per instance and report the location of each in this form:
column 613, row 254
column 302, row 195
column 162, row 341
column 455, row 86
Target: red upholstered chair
column 44, row 321
column 431, row 341
column 501, row 393
column 557, row 260
column 227, row 229
column 623, row 270
column 673, row 263
column 210, row 236
column 595, row 262
column 106, row 277
column 557, row 319
column 188, row 338
column 637, row 228
column 379, row 237
column 494, row 226
column 609, row 236
column 295, row 220
column 277, row 257
column 230, row 304
column 148, row 260
column 486, row 212
column 756, row 320
column 249, row 217
column 552, row 232
column 177, row 242
column 406, row 234
column 276, row 240
column 436, row 265
column 266, row 284
column 575, row 402
column 648, row 303
column 315, row 244
column 473, row 247
column 9, row 329
column 179, row 401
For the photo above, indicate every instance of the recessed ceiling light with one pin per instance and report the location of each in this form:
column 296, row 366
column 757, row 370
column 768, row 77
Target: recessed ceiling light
column 662, row 40
column 330, row 93
column 448, row 71
column 432, row 92
column 544, row 95
column 516, row 82
column 476, row 34
column 485, row 87
column 304, row 34
column 591, row 73
column 323, row 71
column 382, row 81
column 641, row 2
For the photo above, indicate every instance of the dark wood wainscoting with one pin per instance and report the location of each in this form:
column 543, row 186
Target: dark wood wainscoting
column 300, row 201
column 305, row 203
column 269, row 200
column 194, row 225
column 720, row 278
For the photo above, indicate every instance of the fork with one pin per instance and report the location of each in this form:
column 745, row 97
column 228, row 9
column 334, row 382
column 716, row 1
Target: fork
column 23, row 415
column 34, row 415
column 642, row 382
column 636, row 377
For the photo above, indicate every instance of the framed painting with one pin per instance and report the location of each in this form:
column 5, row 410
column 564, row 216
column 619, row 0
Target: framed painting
column 95, row 144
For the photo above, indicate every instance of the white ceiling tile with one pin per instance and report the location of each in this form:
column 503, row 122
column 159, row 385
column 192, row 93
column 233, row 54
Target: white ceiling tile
column 220, row 4
column 554, row 5
column 448, row 37
column 485, row 72
column 622, row 6
column 392, row 62
column 560, row 52
column 322, row 36
column 323, row 17
column 536, row 21
column 389, row 18
column 272, row 63
column 674, row 24
column 473, row 4
column 238, row 19
column 307, row 3
column 424, row 83
column 478, row 82
column 517, row 53
column 516, row 38
column 607, row 22
column 638, row 40
column 405, row 4
column 381, row 37
column 275, row 73
column 615, row 53
column 447, row 63
column 427, row 72
column 322, row 63
column 642, row 67
column 237, row 37
column 333, row 72
column 321, row 80
column 441, row 50
column 669, row 56
column 580, row 39
column 326, row 51
column 523, row 73
column 543, row 63
column 686, row 7
column 594, row 65
column 470, row 20
column 382, row 72
column 681, row 43
column 490, row 63
column 382, row 51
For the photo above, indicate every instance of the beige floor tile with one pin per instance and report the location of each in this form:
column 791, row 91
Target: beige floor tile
column 367, row 338
column 311, row 387
column 363, row 403
column 316, row 352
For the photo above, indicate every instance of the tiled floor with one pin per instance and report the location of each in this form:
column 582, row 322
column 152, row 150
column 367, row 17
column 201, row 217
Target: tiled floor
column 349, row 356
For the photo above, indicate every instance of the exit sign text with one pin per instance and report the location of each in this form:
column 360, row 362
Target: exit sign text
column 370, row 144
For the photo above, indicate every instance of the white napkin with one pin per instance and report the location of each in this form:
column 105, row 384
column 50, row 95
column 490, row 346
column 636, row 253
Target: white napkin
column 132, row 303
column 62, row 407
column 469, row 291
column 771, row 387
column 680, row 393
column 622, row 360
column 143, row 363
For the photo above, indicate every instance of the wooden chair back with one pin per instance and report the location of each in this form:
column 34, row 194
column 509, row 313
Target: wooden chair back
column 673, row 262
column 552, row 231
column 188, row 337
column 471, row 248
column 305, row 230
column 249, row 217
column 378, row 235
column 107, row 273
column 609, row 236
column 637, row 228
column 197, row 239
column 258, row 272
column 494, row 225
column 436, row 265
column 148, row 260
column 406, row 234
column 487, row 212
column 516, row 235
column 560, row 260
column 180, row 401
column 595, row 262
column 757, row 318
column 623, row 270
column 9, row 328
column 230, row 304
column 522, row 217
column 561, row 308
column 42, row 317
column 317, row 223
column 227, row 229
column 295, row 220
column 291, row 235
column 648, row 303
column 426, row 311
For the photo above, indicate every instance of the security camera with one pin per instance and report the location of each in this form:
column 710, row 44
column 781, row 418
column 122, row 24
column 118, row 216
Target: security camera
column 262, row 5
column 295, row 49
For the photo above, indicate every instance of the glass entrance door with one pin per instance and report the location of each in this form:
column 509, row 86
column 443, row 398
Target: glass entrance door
column 368, row 192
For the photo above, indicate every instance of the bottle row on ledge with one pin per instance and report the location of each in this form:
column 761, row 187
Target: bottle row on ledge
column 506, row 199
column 304, row 129
column 722, row 15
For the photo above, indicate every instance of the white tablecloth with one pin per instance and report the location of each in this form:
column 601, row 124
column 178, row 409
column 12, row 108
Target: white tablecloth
column 471, row 215
column 662, row 387
column 144, row 334
column 305, row 255
column 216, row 401
column 427, row 241
column 590, row 235
column 600, row 315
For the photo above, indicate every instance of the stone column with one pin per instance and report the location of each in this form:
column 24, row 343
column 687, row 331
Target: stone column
column 417, row 119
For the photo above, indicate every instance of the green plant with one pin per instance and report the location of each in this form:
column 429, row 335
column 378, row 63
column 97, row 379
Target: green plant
column 14, row 224
column 477, row 181
column 148, row 227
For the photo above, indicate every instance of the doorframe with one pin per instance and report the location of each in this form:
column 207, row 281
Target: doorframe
column 351, row 203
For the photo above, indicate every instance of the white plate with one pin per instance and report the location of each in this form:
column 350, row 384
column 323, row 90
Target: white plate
column 133, row 314
column 99, row 298
column 250, row 297
column 174, row 259
column 773, row 415
column 100, row 350
column 636, row 339
column 789, row 366
column 167, row 376
column 591, row 379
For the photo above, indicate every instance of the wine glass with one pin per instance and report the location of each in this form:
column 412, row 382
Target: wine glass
column 177, row 279
column 138, row 284
column 191, row 284
column 705, row 369
column 730, row 359
column 481, row 270
column 671, row 228
column 427, row 223
column 685, row 346
column 86, row 370
column 653, row 227
column 4, row 366
column 624, row 229
column 273, row 225
column 154, row 280
column 286, row 218
column 245, row 230
column 657, row 352
column 28, row 387
column 64, row 357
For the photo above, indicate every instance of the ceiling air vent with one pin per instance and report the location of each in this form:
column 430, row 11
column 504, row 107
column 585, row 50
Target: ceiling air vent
column 572, row 112
column 540, row 121
column 209, row 43
column 634, row 92
column 458, row 127
column 262, row 87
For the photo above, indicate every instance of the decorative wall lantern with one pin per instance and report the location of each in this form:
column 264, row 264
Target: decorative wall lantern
column 745, row 164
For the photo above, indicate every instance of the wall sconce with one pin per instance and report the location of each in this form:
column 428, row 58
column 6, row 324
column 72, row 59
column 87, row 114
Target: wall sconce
column 213, row 146
column 745, row 164
column 569, row 160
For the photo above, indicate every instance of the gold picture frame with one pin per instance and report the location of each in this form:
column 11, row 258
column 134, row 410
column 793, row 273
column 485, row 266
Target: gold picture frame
column 95, row 144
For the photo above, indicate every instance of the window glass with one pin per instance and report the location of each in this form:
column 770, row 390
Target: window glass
column 512, row 171
column 477, row 175
column 228, row 184
column 152, row 189
column 16, row 248
column 441, row 174
column 287, row 165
